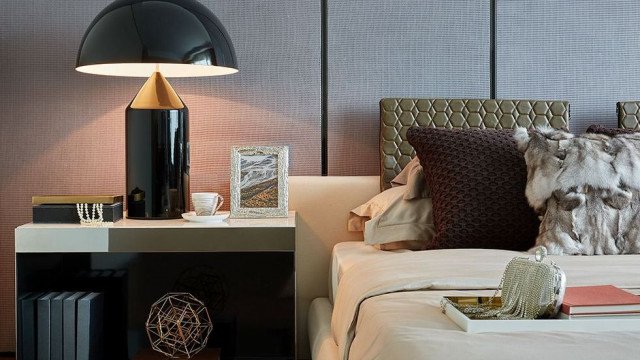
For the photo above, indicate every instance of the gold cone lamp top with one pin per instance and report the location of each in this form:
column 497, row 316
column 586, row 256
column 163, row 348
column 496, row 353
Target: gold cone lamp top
column 157, row 93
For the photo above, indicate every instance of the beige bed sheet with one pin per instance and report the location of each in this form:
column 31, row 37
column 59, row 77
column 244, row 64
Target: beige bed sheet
column 388, row 308
column 412, row 326
column 347, row 254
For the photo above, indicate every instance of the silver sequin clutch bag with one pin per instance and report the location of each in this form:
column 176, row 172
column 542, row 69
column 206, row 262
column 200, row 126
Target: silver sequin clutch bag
column 529, row 289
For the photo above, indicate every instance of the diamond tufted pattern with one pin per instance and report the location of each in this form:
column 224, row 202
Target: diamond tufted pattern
column 629, row 115
column 397, row 115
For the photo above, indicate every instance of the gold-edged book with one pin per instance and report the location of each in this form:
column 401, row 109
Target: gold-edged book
column 76, row 199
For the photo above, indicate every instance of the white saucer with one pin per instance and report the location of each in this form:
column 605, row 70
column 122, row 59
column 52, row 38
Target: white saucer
column 218, row 217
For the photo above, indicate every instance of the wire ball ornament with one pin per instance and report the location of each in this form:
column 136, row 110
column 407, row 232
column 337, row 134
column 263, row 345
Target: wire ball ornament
column 178, row 325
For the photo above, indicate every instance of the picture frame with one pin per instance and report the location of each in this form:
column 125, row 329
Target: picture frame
column 259, row 181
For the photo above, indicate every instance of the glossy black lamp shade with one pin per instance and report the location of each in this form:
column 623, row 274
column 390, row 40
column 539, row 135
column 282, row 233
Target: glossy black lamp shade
column 179, row 38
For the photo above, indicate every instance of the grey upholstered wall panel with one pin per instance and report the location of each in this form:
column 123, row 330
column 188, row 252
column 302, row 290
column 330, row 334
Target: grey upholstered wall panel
column 397, row 48
column 63, row 132
column 583, row 51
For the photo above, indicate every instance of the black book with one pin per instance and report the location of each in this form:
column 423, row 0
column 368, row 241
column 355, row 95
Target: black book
column 26, row 326
column 115, row 311
column 68, row 213
column 113, row 284
column 57, row 316
column 90, row 327
column 44, row 325
column 19, row 324
column 69, row 308
column 29, row 326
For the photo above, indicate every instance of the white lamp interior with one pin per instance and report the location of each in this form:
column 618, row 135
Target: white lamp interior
column 146, row 69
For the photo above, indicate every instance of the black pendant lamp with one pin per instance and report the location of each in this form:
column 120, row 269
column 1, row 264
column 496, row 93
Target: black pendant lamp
column 156, row 39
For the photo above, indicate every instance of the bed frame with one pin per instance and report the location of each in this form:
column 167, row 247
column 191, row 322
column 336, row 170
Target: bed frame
column 397, row 115
column 629, row 115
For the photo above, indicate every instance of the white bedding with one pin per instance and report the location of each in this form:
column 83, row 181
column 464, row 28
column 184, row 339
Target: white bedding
column 388, row 308
column 346, row 254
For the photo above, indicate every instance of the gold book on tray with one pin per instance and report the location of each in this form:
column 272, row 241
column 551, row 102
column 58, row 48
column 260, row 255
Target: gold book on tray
column 76, row 199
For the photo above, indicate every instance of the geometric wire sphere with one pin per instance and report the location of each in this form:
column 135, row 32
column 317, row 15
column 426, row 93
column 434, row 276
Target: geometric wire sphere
column 178, row 325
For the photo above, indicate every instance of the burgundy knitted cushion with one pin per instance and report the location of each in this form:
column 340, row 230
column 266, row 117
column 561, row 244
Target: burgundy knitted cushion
column 477, row 178
column 599, row 129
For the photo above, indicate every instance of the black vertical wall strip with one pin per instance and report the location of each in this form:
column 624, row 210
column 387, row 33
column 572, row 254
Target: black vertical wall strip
column 324, row 82
column 492, row 48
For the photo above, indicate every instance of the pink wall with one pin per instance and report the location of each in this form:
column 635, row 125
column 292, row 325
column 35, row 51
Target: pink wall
column 63, row 132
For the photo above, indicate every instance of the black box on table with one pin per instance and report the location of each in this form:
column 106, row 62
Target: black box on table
column 68, row 213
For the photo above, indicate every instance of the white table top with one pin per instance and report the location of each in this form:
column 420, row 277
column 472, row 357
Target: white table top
column 176, row 235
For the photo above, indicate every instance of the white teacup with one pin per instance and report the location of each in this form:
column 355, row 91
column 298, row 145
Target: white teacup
column 206, row 204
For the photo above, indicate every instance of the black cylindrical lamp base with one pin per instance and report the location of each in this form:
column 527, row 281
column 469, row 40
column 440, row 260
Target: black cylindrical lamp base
column 157, row 155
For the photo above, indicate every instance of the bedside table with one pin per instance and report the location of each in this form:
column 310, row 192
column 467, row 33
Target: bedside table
column 254, row 259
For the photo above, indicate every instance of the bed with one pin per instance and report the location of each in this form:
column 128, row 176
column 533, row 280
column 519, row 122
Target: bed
column 394, row 321
column 386, row 305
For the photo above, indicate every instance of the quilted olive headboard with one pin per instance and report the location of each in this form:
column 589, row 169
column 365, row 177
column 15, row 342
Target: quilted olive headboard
column 397, row 115
column 628, row 115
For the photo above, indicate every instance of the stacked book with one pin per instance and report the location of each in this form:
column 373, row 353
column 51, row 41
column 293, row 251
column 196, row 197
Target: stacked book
column 62, row 209
column 113, row 285
column 599, row 302
column 61, row 326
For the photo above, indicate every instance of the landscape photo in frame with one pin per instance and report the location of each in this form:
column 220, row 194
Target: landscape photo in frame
column 259, row 181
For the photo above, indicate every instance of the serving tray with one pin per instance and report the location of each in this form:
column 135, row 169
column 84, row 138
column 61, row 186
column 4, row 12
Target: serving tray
column 551, row 325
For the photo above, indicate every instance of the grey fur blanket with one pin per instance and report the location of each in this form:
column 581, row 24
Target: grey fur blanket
column 586, row 189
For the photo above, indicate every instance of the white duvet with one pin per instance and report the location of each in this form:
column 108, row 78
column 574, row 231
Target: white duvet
column 388, row 308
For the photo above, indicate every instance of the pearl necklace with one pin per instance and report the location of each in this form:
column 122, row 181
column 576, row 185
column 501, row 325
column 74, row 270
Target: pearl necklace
column 91, row 220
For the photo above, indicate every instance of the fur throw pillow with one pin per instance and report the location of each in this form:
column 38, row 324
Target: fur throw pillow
column 586, row 189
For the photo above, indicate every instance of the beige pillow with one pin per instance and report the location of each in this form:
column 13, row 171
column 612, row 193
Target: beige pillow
column 405, row 224
column 390, row 222
column 403, row 177
column 401, row 245
column 374, row 207
column 412, row 176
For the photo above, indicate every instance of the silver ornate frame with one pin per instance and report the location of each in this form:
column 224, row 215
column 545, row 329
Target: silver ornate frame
column 282, row 152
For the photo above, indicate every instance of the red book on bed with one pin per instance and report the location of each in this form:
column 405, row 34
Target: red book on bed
column 602, row 299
